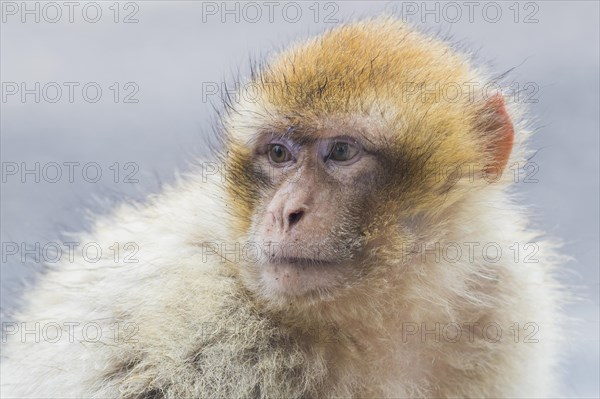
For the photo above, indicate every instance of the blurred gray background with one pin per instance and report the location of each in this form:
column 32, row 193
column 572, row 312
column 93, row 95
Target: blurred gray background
column 173, row 57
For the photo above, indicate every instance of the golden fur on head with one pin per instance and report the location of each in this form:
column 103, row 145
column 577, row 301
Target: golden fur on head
column 399, row 88
column 202, row 330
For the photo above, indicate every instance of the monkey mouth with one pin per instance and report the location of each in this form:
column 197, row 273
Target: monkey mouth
column 298, row 276
column 301, row 261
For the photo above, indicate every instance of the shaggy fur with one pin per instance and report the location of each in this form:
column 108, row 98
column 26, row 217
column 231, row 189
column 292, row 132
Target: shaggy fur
column 193, row 324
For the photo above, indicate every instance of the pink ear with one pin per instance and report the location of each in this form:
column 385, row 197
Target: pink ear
column 499, row 124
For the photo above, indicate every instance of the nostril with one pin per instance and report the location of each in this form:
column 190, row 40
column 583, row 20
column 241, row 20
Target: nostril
column 294, row 217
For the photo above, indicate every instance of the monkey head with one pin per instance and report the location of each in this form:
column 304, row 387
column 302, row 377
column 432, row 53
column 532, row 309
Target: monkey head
column 342, row 158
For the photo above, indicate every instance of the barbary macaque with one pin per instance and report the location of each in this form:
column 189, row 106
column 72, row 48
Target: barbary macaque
column 333, row 255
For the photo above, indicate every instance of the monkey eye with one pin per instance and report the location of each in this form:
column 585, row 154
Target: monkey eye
column 278, row 153
column 342, row 151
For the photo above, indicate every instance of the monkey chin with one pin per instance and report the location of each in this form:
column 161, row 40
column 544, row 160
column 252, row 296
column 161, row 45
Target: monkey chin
column 294, row 278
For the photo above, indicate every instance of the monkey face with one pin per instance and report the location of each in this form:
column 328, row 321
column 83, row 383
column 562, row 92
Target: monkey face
column 332, row 205
column 313, row 209
column 328, row 201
